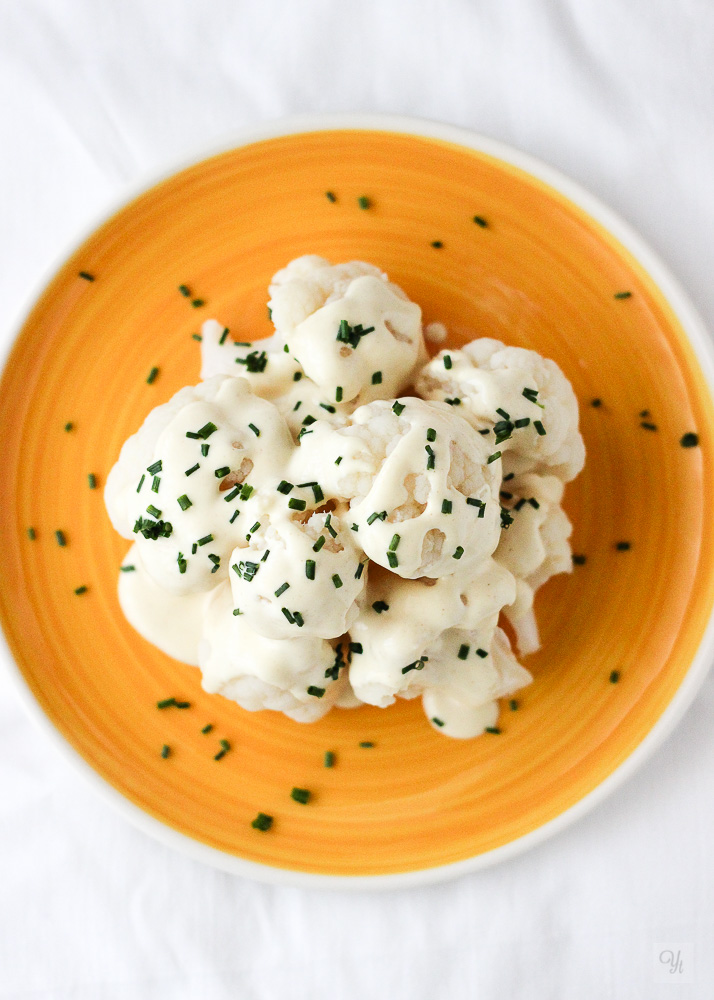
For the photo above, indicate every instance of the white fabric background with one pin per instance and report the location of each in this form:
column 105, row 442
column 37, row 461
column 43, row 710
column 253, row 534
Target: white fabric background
column 617, row 93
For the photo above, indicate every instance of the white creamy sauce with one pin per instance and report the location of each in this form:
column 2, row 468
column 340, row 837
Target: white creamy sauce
column 310, row 541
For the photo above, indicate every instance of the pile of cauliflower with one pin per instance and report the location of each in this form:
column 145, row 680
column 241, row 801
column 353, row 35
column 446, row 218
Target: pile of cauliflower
column 331, row 518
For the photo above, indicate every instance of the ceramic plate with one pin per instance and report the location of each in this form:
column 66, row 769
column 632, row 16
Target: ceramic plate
column 523, row 255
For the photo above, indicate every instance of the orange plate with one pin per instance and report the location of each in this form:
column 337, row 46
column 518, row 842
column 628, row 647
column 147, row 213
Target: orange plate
column 541, row 274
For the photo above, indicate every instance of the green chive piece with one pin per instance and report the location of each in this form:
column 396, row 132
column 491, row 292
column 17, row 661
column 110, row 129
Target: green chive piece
column 310, row 569
column 431, row 434
column 154, row 511
column 366, row 743
column 127, row 569
column 437, row 722
column 31, row 534
column 447, row 361
column 297, row 376
column 337, row 581
column 197, row 336
column 190, row 472
column 92, row 480
column 69, row 426
column 523, row 422
column 319, row 543
column 262, row 822
column 165, row 751
column 225, row 333
column 233, row 494
column 301, row 795
column 182, row 563
column 459, row 552
column 363, row 201
column 394, row 544
column 446, row 506
column 155, row 467
column 380, row 606
column 338, row 394
column 86, row 275
column 284, row 487
column 151, row 377
column 237, row 611
column 331, row 196
column 534, row 503
column 205, row 540
column 245, row 491
column 689, row 440
column 281, row 589
column 622, row 295
column 614, row 676
column 182, row 704
column 204, row 449
column 360, row 570
column 453, row 402
column 185, row 291
column 207, row 429
column 579, row 560
column 166, row 703
column 81, row 590
column 392, row 559
column 356, row 647
column 398, row 408
column 319, row 495
column 295, row 504
column 197, row 303
column 184, row 502
column 61, row 538
column 376, row 378
column 207, row 728
column 255, row 430
column 622, row 546
column 329, row 759
column 223, row 471
column 539, row 427
column 316, row 692
column 155, row 484
column 493, row 729
column 329, row 407
column 513, row 705
column 463, row 651
column 482, row 653
column 288, row 615
column 492, row 458
column 480, row 221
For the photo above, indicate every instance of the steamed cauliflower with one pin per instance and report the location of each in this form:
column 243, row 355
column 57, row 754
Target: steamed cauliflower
column 312, row 535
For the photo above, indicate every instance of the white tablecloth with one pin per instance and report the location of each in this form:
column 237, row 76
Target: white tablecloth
column 93, row 93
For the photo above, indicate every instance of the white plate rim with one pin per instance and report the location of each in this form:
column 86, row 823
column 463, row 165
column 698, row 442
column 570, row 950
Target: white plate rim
column 703, row 347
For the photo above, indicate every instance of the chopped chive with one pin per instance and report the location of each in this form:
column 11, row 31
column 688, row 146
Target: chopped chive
column 194, row 548
column 482, row 653
column 437, row 722
column 359, row 571
column 234, row 515
column 331, row 196
column 309, row 419
column 622, row 295
column 155, row 467
column 505, row 495
column 165, row 751
column 622, row 546
column 233, row 494
column 81, row 590
column 459, row 552
column 182, row 704
column 492, row 458
column 316, row 692
column 513, row 705
column 319, row 543
column 255, row 527
column 296, row 378
column 614, row 676
column 329, row 759
column 579, row 560
column 446, row 506
column 398, row 408
column 493, row 729
column 182, row 563
column 644, row 413
column 338, row 459
column 366, row 744
column 207, row 429
column 281, row 589
column 154, row 511
column 521, row 503
column 246, row 491
column 295, row 504
column 197, row 336
column 243, row 343
column 380, row 606
column 208, row 728
column 86, row 275
column 185, row 291
column 309, row 569
column 265, row 555
column 184, row 502
column 376, row 378
column 596, row 402
column 356, row 647
column 255, row 430
column 284, row 487
column 31, row 534
column 141, row 483
column 204, row 449
column 319, row 495
column 69, row 426
column 166, row 703
column 363, row 201
column 463, row 651
column 299, row 620
column 197, row 303
column 453, row 402
column 301, row 795
column 338, row 394
column 336, row 580
column 539, row 427
column 92, row 480
column 61, row 538
column 485, row 430
column 128, row 568
column 648, row 426
column 223, row 471
column 437, row 244
column 225, row 747
column 287, row 614
column 237, row 611
column 355, row 527
column 534, row 503
column 431, row 434
column 189, row 472
column 689, row 440
column 474, row 502
column 151, row 377
column 392, row 559
column 480, row 221
column 262, row 822
column 205, row 540
column 522, row 422
column 328, row 406
column 223, row 336
column 431, row 458
column 394, row 544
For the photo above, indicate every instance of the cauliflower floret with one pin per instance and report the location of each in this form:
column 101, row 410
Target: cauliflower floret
column 301, row 574
column 354, row 332
column 534, row 548
column 467, row 708
column 298, row 676
column 522, row 403
column 401, row 622
column 422, row 492
column 180, row 480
